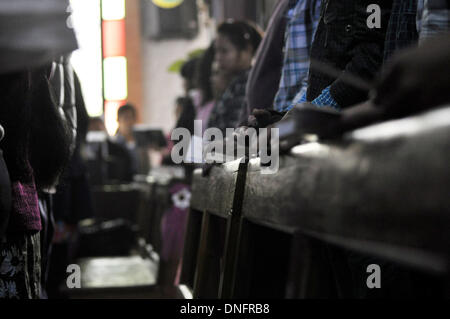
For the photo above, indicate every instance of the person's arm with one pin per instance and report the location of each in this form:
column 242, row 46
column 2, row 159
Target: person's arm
column 367, row 54
column 264, row 78
column 325, row 99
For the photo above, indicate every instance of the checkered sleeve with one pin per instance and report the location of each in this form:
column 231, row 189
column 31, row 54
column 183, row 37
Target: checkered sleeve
column 325, row 99
column 302, row 23
column 435, row 18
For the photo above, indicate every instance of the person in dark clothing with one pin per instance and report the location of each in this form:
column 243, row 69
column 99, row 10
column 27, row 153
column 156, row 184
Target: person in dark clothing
column 416, row 79
column 236, row 43
column 402, row 28
column 344, row 41
column 345, row 44
column 38, row 137
column 108, row 161
column 127, row 118
column 264, row 77
column 74, row 188
column 35, row 155
column 72, row 202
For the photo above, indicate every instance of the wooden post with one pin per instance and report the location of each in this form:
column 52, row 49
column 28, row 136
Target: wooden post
column 134, row 56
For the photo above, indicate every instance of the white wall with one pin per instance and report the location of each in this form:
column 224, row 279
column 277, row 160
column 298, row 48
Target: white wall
column 87, row 60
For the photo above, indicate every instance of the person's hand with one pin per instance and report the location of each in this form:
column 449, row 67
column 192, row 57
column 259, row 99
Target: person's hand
column 416, row 79
column 262, row 118
column 247, row 134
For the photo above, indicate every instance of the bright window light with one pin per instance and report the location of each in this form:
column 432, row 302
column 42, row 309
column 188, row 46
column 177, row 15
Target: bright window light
column 113, row 9
column 87, row 60
column 115, row 78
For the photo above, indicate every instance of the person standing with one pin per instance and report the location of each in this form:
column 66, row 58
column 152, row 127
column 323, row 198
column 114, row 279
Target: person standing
column 345, row 42
column 34, row 154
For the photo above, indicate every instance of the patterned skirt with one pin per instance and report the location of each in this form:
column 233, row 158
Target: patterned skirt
column 20, row 266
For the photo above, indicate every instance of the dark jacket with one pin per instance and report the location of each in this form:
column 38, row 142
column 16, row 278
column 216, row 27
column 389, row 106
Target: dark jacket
column 344, row 41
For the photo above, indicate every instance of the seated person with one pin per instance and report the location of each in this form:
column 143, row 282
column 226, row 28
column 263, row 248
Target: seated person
column 127, row 119
column 107, row 160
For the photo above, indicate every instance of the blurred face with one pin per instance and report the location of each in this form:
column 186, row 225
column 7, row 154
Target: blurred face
column 228, row 57
column 126, row 122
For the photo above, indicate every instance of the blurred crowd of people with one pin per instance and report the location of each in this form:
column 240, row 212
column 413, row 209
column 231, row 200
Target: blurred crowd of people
column 53, row 152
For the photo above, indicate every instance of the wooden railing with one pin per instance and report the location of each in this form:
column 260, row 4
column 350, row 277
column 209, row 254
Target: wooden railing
column 379, row 193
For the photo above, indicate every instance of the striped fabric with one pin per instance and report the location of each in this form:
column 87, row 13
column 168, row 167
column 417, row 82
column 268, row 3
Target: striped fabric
column 433, row 18
column 303, row 18
column 325, row 99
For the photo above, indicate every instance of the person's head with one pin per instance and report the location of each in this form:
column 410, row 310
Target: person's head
column 127, row 117
column 37, row 140
column 235, row 45
column 96, row 124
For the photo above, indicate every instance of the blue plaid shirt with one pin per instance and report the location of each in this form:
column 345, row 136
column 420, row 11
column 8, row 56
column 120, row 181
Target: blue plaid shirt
column 324, row 99
column 303, row 18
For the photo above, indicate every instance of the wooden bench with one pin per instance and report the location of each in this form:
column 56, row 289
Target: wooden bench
column 215, row 209
column 380, row 191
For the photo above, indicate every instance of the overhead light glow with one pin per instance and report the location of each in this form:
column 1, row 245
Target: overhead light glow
column 113, row 9
column 114, row 38
column 115, row 78
column 87, row 60
column 167, row 4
